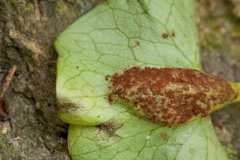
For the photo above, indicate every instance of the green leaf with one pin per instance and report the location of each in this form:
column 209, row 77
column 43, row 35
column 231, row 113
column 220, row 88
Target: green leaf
column 128, row 137
column 112, row 37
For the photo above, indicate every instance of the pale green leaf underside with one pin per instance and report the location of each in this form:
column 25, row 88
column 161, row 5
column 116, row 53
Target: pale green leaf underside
column 141, row 140
column 116, row 36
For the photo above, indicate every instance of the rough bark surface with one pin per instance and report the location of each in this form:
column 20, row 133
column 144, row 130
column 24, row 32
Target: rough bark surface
column 27, row 31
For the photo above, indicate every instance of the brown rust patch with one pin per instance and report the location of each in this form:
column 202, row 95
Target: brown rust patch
column 169, row 95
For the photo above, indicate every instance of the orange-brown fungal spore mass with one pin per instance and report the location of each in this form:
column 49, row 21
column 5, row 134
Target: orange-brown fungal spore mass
column 169, row 95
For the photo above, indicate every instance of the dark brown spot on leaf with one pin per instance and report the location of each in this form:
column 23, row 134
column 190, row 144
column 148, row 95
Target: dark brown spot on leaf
column 107, row 77
column 164, row 35
column 173, row 35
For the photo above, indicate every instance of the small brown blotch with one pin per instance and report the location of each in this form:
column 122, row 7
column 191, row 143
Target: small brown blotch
column 137, row 43
column 107, row 77
column 164, row 35
column 77, row 67
column 112, row 98
column 64, row 104
column 163, row 136
column 173, row 35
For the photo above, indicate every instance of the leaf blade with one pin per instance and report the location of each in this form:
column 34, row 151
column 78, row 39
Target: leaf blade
column 112, row 37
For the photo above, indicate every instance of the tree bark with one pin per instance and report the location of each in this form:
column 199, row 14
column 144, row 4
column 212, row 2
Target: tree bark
column 27, row 31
